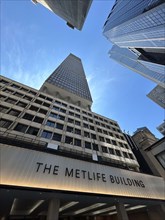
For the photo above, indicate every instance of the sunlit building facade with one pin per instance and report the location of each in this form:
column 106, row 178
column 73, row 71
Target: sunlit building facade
column 61, row 160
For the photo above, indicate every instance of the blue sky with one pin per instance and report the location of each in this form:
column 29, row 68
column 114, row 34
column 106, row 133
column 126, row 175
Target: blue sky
column 34, row 41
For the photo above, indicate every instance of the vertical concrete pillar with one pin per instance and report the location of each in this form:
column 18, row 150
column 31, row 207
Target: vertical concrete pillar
column 53, row 209
column 121, row 212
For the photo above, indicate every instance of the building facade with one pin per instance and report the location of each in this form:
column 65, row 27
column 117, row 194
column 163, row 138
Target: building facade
column 138, row 27
column 74, row 13
column 32, row 114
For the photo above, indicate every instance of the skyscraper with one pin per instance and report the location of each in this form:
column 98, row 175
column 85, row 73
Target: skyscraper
column 138, row 27
column 68, row 82
column 74, row 12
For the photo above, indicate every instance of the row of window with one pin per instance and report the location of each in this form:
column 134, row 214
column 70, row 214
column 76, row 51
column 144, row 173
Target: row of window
column 68, row 139
column 49, row 99
column 54, row 115
column 22, row 128
column 18, row 94
column 37, row 119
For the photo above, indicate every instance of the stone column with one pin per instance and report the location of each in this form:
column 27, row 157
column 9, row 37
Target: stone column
column 53, row 209
column 121, row 212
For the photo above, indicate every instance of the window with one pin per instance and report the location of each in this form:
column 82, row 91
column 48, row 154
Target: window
column 62, row 110
column 77, row 123
column 42, row 96
column 28, row 98
column 56, row 108
column 14, row 112
column 85, row 125
column 71, row 113
column 49, row 99
column 110, row 134
column 125, row 154
column 38, row 101
column 15, row 86
column 32, row 92
column 93, row 136
column 21, row 128
column 76, row 115
column 118, row 153
column 50, row 123
column 108, row 140
column 28, row 116
column 69, row 129
column 42, row 111
column 131, row 156
column 8, row 91
column 57, row 137
column 121, row 144
column 23, row 89
column 95, row 117
column 12, row 101
column 38, row 120
column 46, row 134
column 86, row 134
column 33, row 108
column 126, row 146
column 3, row 81
column 101, row 138
column 92, row 128
column 84, row 118
column 98, row 123
column 46, row 104
column 105, row 132
column 111, row 151
column 21, row 104
column 3, row 109
column 99, row 130
column 59, row 126
column 95, row 147
column 78, row 110
column 114, row 143
column 103, row 125
column 77, row 142
column 5, row 123
column 70, row 120
column 18, row 94
column 104, row 149
column 77, row 131
column 87, row 145
column 32, row 131
column 61, row 117
column 71, row 107
column 68, row 140
column 59, row 103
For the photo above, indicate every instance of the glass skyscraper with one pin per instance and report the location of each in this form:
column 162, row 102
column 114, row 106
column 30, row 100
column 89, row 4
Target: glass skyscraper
column 137, row 29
